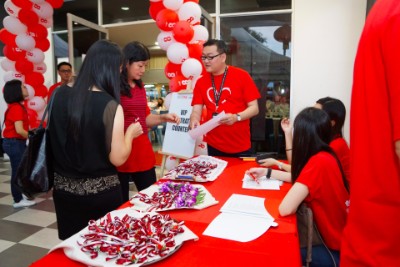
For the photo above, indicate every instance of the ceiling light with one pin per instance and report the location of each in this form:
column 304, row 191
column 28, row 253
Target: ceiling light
column 125, row 8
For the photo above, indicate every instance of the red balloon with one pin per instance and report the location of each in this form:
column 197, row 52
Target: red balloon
column 155, row 7
column 23, row 66
column 43, row 44
column 13, row 53
column 183, row 31
column 28, row 17
column 166, row 19
column 196, row 1
column 35, row 79
column 195, row 50
column 172, row 70
column 24, row 4
column 41, row 90
column 7, row 38
column 178, row 83
column 55, row 3
column 37, row 30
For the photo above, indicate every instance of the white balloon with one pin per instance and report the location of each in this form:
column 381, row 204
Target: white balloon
column 165, row 39
column 35, row 55
column 8, row 65
column 177, row 53
column 47, row 22
column 167, row 100
column 191, row 68
column 44, row 10
column 25, row 41
column 14, row 25
column 40, row 67
column 170, row 163
column 11, row 9
column 37, row 1
column 173, row 4
column 37, row 103
column 13, row 75
column 191, row 12
column 40, row 113
column 31, row 91
column 200, row 34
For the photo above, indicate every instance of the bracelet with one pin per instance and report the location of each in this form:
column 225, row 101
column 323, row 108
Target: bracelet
column 269, row 173
column 288, row 149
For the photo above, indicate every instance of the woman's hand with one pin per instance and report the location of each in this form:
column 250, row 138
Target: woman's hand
column 268, row 162
column 171, row 117
column 286, row 127
column 257, row 172
column 134, row 130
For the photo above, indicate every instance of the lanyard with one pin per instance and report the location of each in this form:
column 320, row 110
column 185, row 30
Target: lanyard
column 217, row 95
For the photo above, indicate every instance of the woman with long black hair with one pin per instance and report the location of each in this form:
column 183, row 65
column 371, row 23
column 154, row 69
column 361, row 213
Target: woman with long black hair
column 88, row 141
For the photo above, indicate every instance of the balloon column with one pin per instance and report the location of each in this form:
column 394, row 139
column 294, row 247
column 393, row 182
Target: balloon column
column 181, row 37
column 25, row 40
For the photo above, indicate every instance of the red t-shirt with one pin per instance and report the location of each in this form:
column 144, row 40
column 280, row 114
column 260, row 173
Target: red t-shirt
column 142, row 157
column 342, row 151
column 15, row 112
column 372, row 233
column 238, row 90
column 328, row 198
column 52, row 88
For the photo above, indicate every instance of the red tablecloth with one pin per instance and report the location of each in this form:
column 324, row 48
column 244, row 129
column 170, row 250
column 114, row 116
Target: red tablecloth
column 279, row 246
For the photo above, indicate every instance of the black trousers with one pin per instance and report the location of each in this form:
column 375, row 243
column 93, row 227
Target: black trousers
column 142, row 180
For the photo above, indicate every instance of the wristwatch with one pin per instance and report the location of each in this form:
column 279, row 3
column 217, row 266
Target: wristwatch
column 238, row 117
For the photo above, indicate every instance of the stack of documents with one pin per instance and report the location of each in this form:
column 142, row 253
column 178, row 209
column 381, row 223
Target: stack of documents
column 243, row 218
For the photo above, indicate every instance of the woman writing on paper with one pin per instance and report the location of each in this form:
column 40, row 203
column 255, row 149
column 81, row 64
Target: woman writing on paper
column 319, row 181
column 139, row 167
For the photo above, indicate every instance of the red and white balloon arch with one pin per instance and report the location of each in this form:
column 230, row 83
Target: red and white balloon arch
column 25, row 40
column 182, row 37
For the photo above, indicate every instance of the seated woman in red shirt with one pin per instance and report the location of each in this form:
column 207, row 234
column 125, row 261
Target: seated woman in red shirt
column 337, row 114
column 318, row 180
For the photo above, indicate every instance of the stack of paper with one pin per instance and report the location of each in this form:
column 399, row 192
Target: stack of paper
column 261, row 183
column 243, row 218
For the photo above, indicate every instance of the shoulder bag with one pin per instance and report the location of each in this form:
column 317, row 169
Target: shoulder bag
column 35, row 173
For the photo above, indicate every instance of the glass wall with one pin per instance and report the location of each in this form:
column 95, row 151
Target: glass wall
column 261, row 46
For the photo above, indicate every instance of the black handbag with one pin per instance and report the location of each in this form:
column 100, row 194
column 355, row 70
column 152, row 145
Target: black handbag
column 35, row 173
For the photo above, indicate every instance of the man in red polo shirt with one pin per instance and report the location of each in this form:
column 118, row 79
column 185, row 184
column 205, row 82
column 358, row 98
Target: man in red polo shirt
column 64, row 69
column 229, row 89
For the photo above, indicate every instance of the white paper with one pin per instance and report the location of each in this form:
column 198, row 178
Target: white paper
column 206, row 127
column 263, row 183
column 243, row 218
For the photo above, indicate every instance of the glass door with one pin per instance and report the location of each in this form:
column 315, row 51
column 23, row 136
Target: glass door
column 81, row 35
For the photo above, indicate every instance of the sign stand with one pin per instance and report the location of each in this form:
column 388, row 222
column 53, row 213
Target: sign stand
column 177, row 142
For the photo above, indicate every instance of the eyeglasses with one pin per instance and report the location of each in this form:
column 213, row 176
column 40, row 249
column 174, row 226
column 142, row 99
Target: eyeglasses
column 209, row 58
column 65, row 71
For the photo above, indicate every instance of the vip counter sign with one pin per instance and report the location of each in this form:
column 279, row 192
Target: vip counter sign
column 177, row 141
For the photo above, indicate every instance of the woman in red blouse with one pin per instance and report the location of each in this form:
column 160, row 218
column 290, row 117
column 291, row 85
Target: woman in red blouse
column 139, row 167
column 15, row 133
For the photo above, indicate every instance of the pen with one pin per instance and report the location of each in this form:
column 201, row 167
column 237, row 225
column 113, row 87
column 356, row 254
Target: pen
column 254, row 178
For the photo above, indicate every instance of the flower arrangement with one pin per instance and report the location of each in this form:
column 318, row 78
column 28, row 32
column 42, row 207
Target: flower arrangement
column 179, row 195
